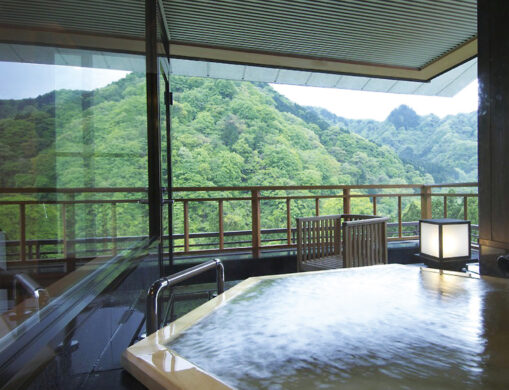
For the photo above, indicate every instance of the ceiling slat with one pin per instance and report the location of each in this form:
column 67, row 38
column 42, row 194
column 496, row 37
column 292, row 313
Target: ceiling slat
column 396, row 33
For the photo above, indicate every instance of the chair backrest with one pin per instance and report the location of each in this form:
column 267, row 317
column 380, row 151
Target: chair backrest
column 360, row 239
column 318, row 237
column 364, row 240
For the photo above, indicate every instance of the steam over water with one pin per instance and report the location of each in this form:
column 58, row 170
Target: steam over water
column 390, row 327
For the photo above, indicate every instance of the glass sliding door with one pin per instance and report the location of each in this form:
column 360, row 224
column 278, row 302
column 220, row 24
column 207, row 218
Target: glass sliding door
column 159, row 98
column 73, row 157
column 165, row 100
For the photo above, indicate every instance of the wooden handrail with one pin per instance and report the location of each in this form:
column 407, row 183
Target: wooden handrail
column 20, row 190
column 63, row 190
column 366, row 221
column 472, row 184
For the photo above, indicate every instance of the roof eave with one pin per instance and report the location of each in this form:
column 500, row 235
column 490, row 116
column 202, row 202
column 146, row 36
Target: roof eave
column 62, row 38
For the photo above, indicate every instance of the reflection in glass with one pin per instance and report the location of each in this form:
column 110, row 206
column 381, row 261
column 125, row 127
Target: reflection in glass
column 73, row 157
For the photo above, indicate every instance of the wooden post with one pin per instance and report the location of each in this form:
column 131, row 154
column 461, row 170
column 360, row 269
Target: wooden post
column 425, row 202
column 186, row 226
column 221, row 225
column 288, row 223
column 317, row 207
column 400, row 224
column 374, row 205
column 22, row 232
column 255, row 223
column 445, row 206
column 465, row 208
column 346, row 201
column 114, row 227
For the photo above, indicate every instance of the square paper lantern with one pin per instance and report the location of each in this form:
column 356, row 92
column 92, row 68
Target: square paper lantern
column 444, row 242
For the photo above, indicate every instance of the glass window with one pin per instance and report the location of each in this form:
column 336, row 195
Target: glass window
column 73, row 163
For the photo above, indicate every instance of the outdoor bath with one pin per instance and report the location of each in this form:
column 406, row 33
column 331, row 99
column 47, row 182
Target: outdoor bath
column 386, row 326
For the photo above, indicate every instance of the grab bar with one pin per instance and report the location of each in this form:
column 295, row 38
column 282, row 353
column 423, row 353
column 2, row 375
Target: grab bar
column 153, row 304
column 39, row 294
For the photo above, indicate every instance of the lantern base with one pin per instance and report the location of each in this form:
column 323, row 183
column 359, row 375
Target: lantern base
column 457, row 264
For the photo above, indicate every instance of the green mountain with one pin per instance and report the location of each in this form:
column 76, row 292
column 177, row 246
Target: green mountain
column 445, row 148
column 224, row 133
column 248, row 134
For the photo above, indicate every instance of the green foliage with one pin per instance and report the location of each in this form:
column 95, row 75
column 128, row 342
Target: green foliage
column 403, row 117
column 444, row 148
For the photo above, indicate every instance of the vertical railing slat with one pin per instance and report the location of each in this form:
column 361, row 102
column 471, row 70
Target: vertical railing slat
column 300, row 246
column 22, row 232
column 306, row 239
column 372, row 243
column 400, row 224
column 114, row 227
column 64, row 229
column 314, row 239
column 324, row 237
column 288, row 222
column 186, row 226
column 221, row 224
column 255, row 223
column 70, row 230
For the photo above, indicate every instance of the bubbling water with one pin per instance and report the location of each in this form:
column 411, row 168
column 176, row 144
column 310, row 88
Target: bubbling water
column 370, row 328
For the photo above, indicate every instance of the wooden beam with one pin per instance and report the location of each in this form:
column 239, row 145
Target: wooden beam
column 60, row 37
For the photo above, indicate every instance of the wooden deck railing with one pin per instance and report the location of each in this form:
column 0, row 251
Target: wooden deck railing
column 285, row 236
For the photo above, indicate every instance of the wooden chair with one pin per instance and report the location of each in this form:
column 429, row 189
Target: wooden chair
column 337, row 241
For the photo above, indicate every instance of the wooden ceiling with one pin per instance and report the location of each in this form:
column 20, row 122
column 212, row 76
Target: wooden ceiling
column 413, row 40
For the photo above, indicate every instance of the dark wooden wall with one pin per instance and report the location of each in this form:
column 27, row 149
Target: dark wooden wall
column 493, row 74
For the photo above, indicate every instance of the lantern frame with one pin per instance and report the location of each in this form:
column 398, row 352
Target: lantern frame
column 440, row 261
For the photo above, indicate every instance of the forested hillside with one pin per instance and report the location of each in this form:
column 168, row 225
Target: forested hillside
column 228, row 133
column 224, row 133
column 445, row 148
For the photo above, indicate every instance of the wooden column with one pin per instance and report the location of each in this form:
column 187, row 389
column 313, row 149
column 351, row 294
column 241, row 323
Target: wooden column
column 493, row 120
column 425, row 202
column 346, row 201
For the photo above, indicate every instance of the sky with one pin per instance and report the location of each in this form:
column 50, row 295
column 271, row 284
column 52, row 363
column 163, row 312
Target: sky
column 377, row 105
column 23, row 80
